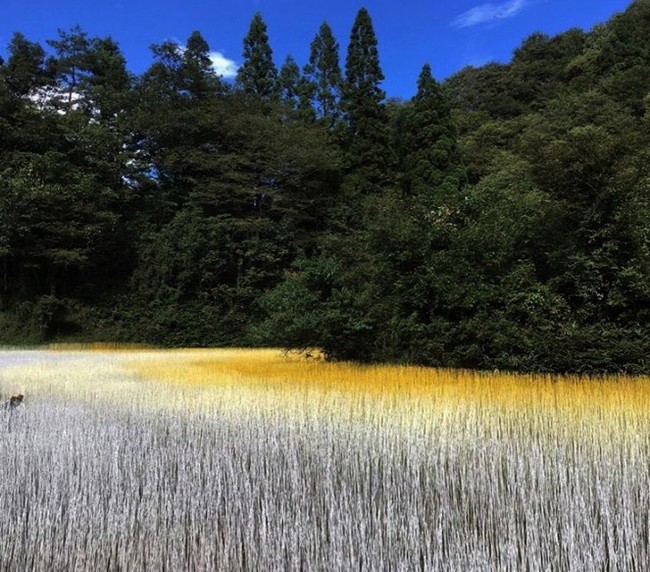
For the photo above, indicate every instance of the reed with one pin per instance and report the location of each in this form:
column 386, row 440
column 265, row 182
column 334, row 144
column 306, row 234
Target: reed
column 255, row 460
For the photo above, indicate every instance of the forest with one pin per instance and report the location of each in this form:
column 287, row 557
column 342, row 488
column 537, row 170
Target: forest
column 496, row 220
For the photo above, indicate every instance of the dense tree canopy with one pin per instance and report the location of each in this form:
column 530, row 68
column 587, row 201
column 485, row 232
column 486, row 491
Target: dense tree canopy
column 496, row 220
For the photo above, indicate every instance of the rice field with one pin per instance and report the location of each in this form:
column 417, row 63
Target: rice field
column 136, row 459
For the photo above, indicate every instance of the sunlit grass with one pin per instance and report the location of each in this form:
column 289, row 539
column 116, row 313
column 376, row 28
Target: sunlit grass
column 259, row 460
column 293, row 374
column 97, row 347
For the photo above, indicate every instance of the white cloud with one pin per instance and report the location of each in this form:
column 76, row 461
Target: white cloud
column 490, row 12
column 223, row 66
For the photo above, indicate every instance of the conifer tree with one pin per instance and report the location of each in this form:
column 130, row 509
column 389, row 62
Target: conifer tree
column 25, row 67
column 289, row 82
column 431, row 150
column 324, row 73
column 200, row 78
column 363, row 103
column 306, row 94
column 109, row 82
column 72, row 50
column 258, row 74
column 295, row 91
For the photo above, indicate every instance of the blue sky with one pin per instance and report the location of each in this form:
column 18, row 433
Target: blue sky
column 447, row 34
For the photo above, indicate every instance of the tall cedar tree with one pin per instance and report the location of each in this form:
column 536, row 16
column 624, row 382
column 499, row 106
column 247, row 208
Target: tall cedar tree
column 432, row 156
column 200, row 78
column 289, row 82
column 296, row 91
column 258, row 74
column 324, row 73
column 363, row 103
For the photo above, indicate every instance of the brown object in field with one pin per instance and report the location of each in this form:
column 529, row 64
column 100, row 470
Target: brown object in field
column 16, row 399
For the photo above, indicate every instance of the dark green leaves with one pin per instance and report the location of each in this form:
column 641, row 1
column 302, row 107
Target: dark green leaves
column 258, row 74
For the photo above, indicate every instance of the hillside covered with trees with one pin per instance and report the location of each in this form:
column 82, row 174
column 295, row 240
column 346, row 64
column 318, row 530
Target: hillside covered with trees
column 497, row 220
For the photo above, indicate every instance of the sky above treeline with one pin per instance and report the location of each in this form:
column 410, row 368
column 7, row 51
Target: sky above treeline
column 448, row 34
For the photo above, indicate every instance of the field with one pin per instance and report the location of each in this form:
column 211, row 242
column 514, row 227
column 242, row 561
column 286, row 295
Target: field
column 258, row 460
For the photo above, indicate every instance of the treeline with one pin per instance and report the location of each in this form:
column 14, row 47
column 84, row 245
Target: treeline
column 499, row 220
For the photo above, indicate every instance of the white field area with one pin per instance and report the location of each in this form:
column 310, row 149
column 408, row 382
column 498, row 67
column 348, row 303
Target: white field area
column 252, row 460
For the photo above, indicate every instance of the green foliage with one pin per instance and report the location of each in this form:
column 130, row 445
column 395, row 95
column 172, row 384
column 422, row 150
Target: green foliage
column 428, row 142
column 289, row 82
column 25, row 69
column 324, row 74
column 316, row 307
column 72, row 60
column 258, row 74
column 368, row 154
column 199, row 77
column 498, row 220
column 579, row 135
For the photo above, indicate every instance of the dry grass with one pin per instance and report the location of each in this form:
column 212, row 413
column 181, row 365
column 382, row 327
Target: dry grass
column 413, row 393
column 253, row 460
